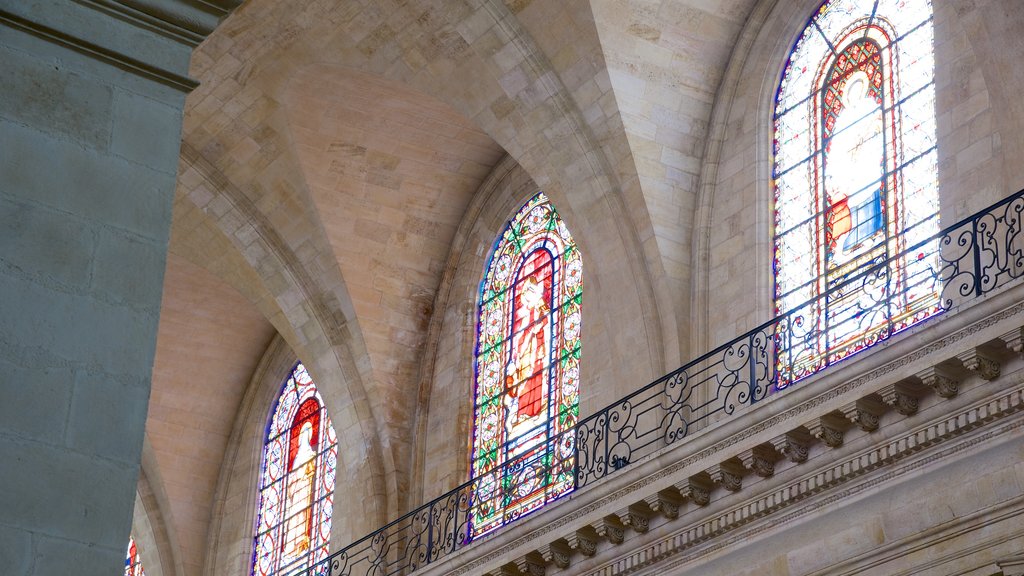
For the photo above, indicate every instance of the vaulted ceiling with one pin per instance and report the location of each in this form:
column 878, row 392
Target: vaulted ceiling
column 328, row 158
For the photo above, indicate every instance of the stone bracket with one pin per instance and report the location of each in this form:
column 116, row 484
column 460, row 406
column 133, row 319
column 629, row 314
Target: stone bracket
column 729, row 474
column 865, row 412
column 904, row 398
column 941, row 380
column 793, row 445
column 980, row 363
column 760, row 460
column 829, row 428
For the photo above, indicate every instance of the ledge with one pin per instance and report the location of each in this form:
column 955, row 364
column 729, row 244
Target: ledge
column 143, row 37
column 926, row 391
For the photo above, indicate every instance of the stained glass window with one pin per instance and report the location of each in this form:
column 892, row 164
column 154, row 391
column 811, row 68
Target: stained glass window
column 132, row 562
column 855, row 182
column 296, row 485
column 527, row 368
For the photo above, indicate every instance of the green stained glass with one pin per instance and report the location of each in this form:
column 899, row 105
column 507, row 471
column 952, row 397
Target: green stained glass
column 526, row 368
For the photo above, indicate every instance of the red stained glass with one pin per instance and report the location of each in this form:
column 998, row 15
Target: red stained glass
column 527, row 368
column 854, row 130
column 297, row 481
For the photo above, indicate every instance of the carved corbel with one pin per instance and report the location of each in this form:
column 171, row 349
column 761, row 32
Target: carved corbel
column 941, row 380
column 901, row 397
column 696, row 490
column 583, row 541
column 760, row 460
column 637, row 517
column 728, row 474
column 532, row 564
column 665, row 503
column 557, row 552
column 980, row 363
column 611, row 529
column 792, row 445
column 829, row 429
column 864, row 413
column 1014, row 339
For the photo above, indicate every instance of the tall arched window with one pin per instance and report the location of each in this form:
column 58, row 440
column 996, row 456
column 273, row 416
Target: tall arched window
column 132, row 562
column 527, row 368
column 855, row 182
column 296, row 486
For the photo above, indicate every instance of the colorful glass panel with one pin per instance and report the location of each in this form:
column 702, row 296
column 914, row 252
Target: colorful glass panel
column 132, row 562
column 526, row 368
column 296, row 485
column 854, row 182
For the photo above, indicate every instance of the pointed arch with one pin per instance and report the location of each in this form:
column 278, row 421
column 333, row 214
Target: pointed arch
column 132, row 561
column 526, row 367
column 854, row 182
column 296, row 485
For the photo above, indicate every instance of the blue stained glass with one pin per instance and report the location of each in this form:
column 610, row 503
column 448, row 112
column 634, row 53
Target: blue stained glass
column 854, row 182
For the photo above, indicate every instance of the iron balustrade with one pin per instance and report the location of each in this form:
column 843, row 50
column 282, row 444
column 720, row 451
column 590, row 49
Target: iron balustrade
column 973, row 257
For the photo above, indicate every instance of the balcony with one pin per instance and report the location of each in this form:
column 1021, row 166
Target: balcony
column 753, row 428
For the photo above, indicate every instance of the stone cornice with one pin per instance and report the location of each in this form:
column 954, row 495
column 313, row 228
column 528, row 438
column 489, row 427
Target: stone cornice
column 853, row 389
column 151, row 40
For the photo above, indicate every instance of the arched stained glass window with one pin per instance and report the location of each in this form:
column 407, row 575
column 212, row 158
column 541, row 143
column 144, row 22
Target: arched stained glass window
column 296, row 486
column 132, row 562
column 855, row 182
column 527, row 368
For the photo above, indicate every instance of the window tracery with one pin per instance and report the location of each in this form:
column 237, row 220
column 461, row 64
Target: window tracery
column 132, row 562
column 526, row 368
column 296, row 486
column 855, row 182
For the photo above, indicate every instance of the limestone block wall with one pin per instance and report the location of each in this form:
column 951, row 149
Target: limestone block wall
column 90, row 118
column 978, row 110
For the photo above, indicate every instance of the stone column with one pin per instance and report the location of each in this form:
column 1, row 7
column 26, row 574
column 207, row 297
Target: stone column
column 91, row 103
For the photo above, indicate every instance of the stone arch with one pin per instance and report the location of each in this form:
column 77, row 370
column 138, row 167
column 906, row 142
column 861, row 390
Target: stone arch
column 151, row 524
column 315, row 315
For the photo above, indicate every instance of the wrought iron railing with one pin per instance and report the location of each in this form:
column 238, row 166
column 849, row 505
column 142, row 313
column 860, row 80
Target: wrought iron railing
column 973, row 257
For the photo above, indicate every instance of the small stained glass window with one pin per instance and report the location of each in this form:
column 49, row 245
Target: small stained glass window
column 855, row 182
column 296, row 485
column 132, row 563
column 527, row 368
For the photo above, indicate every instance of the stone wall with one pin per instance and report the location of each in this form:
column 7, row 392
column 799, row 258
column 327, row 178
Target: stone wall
column 90, row 119
column 978, row 150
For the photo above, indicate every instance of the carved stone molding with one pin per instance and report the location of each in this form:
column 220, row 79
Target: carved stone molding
column 831, row 476
column 532, row 564
column 665, row 503
column 1014, row 339
column 1012, row 566
column 611, row 529
column 696, row 490
column 829, row 429
column 945, row 384
column 791, row 446
column 905, row 400
column 583, row 541
column 980, row 363
column 760, row 460
column 637, row 517
column 865, row 412
column 728, row 475
column 557, row 553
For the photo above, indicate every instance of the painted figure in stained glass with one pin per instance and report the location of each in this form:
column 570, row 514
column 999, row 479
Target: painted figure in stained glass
column 527, row 359
column 302, row 474
column 527, row 368
column 132, row 562
column 853, row 168
column 297, row 482
column 854, row 183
